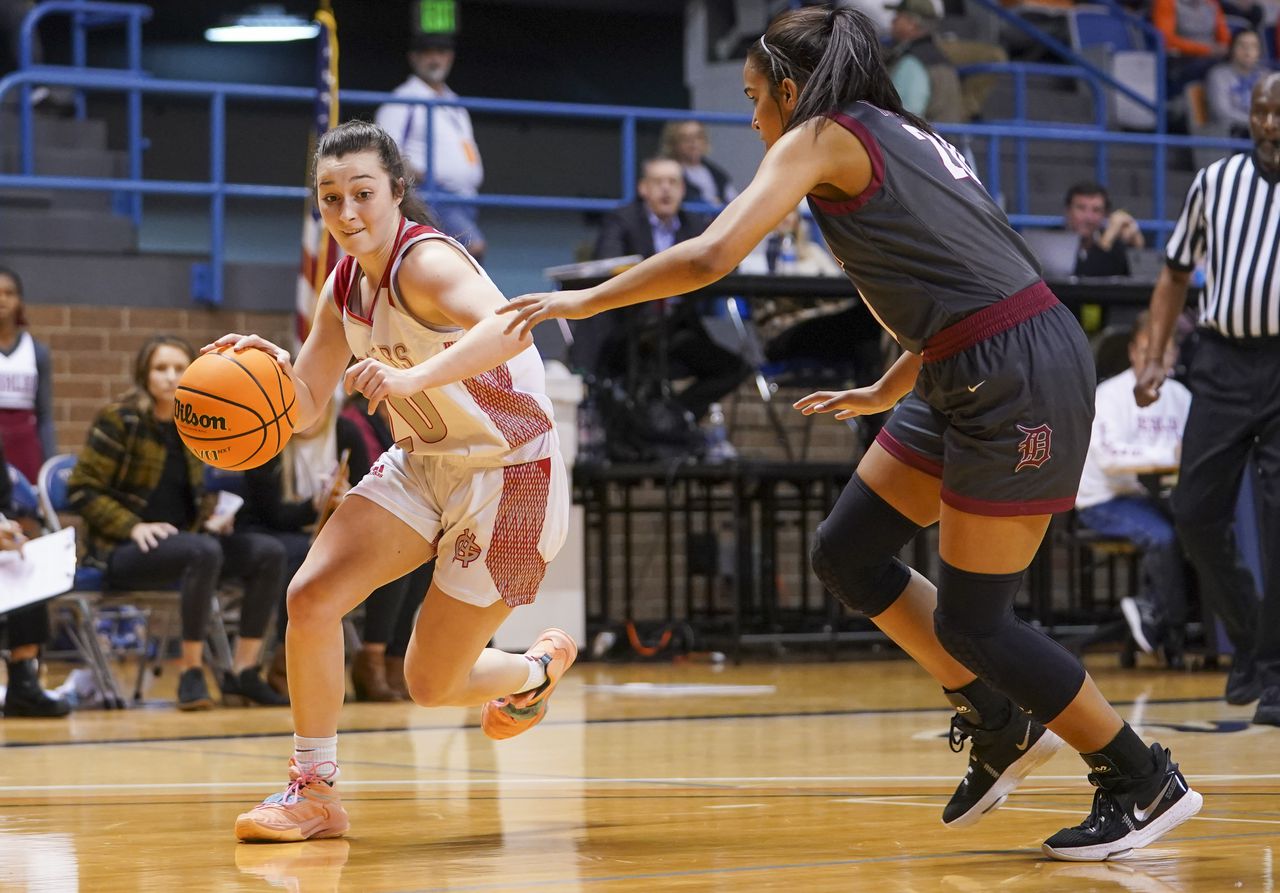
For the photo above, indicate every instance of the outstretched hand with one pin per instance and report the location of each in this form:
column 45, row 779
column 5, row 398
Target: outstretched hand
column 245, row 342
column 845, row 404
column 534, row 308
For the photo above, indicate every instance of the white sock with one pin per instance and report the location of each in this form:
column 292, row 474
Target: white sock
column 537, row 674
column 318, row 755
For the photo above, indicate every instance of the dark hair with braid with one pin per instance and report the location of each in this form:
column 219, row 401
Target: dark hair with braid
column 361, row 136
column 834, row 57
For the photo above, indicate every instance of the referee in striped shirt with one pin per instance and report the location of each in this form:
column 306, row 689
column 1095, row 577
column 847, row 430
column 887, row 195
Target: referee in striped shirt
column 1231, row 221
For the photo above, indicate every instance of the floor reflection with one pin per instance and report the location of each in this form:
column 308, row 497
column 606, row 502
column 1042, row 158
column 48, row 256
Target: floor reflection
column 313, row 866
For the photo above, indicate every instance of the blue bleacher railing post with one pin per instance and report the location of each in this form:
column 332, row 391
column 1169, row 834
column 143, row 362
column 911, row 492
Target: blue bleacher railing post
column 218, row 200
column 629, row 159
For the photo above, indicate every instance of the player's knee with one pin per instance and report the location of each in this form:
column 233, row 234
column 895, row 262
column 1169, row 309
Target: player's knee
column 868, row 589
column 854, row 550
column 976, row 625
column 308, row 603
column 429, row 689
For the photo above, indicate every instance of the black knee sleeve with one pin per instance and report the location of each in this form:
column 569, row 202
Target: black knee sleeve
column 976, row 624
column 855, row 548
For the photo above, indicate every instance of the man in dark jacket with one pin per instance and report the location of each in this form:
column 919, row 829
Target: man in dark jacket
column 641, row 334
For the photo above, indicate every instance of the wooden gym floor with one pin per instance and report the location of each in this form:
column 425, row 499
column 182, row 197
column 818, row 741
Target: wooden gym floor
column 789, row 777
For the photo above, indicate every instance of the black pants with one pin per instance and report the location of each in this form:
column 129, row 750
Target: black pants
column 390, row 611
column 28, row 625
column 1235, row 417
column 194, row 563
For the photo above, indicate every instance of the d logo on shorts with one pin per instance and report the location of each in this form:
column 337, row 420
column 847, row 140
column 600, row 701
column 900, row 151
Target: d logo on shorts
column 465, row 548
column 1035, row 448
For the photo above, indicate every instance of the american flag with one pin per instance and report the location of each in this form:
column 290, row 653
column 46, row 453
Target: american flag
column 320, row 253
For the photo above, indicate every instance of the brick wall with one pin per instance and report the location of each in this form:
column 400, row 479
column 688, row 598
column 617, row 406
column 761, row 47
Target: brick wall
column 93, row 349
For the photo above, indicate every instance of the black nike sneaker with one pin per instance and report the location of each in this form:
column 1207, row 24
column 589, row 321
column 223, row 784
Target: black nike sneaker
column 1128, row 812
column 998, row 761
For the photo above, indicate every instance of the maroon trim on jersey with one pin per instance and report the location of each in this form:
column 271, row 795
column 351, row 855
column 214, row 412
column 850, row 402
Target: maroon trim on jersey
column 996, row 509
column 858, row 129
column 343, row 278
column 907, row 456
column 514, row 562
column 409, row 232
column 990, row 321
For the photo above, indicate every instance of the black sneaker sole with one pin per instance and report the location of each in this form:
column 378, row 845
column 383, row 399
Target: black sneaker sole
column 1174, row 816
column 1036, row 756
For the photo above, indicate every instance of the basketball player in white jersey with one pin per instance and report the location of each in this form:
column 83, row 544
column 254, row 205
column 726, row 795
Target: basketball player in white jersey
column 475, row 476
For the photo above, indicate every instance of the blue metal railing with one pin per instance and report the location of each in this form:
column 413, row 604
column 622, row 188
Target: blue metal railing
column 86, row 14
column 134, row 84
column 218, row 189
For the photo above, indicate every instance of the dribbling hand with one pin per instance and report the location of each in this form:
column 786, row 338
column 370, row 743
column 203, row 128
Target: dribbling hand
column 534, row 308
column 244, row 342
column 845, row 404
column 378, row 381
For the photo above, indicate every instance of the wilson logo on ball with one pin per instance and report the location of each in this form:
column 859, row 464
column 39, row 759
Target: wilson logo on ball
column 185, row 415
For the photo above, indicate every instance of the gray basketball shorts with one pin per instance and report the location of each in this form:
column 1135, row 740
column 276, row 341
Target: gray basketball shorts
column 1003, row 408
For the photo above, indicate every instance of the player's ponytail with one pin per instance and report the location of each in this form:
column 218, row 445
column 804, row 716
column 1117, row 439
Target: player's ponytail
column 833, row 55
column 362, row 136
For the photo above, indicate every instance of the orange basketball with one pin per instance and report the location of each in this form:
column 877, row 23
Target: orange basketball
column 234, row 410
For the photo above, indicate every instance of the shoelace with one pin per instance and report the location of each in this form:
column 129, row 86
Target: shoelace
column 1104, row 807
column 293, row 790
column 960, row 731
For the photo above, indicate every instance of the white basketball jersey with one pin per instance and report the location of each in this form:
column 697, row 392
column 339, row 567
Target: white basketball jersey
column 18, row 376
column 501, row 417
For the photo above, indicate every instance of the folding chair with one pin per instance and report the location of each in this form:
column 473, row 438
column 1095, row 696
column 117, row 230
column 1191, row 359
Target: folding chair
column 76, row 608
column 91, row 587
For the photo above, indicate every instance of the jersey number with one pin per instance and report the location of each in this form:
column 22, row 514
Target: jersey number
column 421, row 415
column 952, row 160
column 418, row 412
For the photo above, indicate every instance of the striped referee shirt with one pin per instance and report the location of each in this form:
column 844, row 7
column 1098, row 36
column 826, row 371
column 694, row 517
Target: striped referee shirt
column 1231, row 221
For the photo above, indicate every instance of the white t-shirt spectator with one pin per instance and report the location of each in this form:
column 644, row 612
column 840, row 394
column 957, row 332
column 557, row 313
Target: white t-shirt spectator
column 1127, row 436
column 457, row 166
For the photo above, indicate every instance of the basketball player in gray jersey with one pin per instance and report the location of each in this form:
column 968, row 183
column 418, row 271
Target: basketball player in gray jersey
column 994, row 400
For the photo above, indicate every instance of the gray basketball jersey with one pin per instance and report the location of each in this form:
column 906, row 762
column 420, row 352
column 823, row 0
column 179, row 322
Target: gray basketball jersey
column 924, row 243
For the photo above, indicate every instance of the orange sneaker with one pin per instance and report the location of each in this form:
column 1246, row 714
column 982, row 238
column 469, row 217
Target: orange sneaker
column 308, row 808
column 507, row 717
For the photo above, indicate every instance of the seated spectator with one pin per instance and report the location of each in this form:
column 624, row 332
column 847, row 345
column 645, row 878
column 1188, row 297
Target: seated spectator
column 141, row 495
column 704, row 180
column 28, row 627
column 1196, row 37
column 26, row 384
column 1229, row 85
column 1128, row 440
column 1105, row 235
column 924, row 76
column 653, row 223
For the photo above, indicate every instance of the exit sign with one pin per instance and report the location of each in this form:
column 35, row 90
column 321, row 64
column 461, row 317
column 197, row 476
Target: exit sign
column 437, row 16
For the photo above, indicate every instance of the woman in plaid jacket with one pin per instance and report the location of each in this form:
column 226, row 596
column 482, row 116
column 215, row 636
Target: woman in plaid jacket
column 149, row 525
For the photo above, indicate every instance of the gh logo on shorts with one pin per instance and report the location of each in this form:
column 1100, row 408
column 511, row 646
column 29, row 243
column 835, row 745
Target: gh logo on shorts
column 1035, row 448
column 465, row 548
